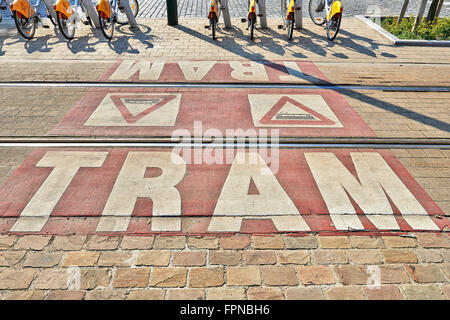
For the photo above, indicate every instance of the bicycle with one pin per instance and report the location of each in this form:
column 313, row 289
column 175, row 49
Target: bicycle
column 27, row 17
column 288, row 14
column 215, row 11
column 251, row 18
column 328, row 12
column 110, row 13
column 67, row 17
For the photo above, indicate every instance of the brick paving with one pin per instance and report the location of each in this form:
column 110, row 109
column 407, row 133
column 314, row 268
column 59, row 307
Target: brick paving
column 40, row 267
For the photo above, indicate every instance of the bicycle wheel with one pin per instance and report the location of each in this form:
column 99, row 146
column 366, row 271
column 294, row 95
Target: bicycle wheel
column 67, row 26
column 213, row 27
column 317, row 11
column 252, row 28
column 333, row 26
column 107, row 25
column 290, row 27
column 25, row 26
column 122, row 16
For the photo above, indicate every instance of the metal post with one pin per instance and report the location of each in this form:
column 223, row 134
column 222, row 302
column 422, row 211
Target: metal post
column 262, row 12
column 91, row 12
column 226, row 14
column 126, row 6
column 402, row 12
column 439, row 7
column 419, row 17
column 172, row 13
column 298, row 14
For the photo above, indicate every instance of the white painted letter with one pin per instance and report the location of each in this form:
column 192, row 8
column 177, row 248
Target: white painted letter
column 376, row 179
column 272, row 202
column 195, row 70
column 147, row 70
column 248, row 71
column 66, row 165
column 132, row 184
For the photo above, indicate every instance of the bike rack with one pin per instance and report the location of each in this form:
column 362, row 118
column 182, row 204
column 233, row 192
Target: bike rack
column 226, row 14
column 298, row 14
column 126, row 6
column 91, row 11
column 262, row 10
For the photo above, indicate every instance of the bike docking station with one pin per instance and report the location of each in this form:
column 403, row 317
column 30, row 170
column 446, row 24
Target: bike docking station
column 125, row 4
column 298, row 14
column 91, row 12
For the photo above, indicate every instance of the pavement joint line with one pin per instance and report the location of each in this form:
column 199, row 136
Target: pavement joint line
column 223, row 85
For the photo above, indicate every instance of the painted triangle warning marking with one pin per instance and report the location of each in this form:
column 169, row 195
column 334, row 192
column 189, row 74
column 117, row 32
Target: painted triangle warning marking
column 133, row 117
column 136, row 110
column 292, row 111
column 274, row 116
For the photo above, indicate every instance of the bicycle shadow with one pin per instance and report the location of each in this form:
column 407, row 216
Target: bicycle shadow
column 121, row 44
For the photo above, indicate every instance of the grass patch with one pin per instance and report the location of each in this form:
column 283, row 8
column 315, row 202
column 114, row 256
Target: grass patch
column 437, row 30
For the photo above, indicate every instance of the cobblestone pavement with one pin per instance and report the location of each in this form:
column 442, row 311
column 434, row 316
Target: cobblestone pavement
column 239, row 8
column 220, row 268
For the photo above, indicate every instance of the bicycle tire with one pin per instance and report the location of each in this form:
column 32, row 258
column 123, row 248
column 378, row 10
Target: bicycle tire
column 27, row 35
column 330, row 36
column 252, row 29
column 62, row 26
column 312, row 14
column 291, row 27
column 103, row 22
column 134, row 4
column 213, row 26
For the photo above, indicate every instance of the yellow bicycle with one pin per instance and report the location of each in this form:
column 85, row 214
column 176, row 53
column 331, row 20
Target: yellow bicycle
column 251, row 18
column 288, row 14
column 215, row 10
column 328, row 12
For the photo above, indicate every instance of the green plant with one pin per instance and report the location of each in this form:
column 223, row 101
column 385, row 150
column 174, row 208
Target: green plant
column 431, row 30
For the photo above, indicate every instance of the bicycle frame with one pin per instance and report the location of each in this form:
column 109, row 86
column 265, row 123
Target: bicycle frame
column 336, row 8
column 23, row 8
column 213, row 10
column 252, row 10
column 63, row 7
column 290, row 10
column 105, row 9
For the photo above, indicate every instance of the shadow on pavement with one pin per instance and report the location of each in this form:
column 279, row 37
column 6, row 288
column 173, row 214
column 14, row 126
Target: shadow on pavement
column 389, row 107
